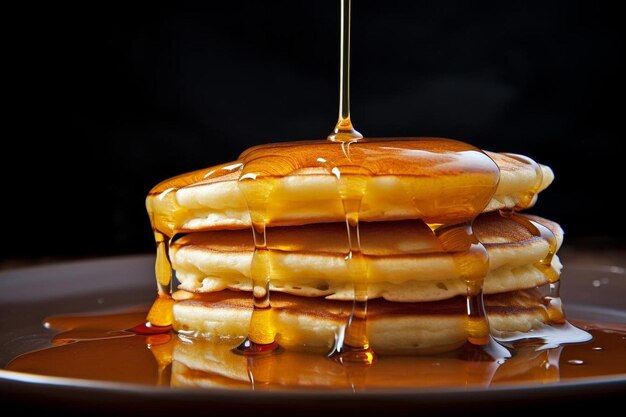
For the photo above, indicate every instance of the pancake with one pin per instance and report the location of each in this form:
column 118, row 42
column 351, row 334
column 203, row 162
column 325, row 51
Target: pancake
column 205, row 364
column 392, row 328
column 444, row 180
column 404, row 260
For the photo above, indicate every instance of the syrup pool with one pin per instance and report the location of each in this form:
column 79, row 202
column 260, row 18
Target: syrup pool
column 107, row 347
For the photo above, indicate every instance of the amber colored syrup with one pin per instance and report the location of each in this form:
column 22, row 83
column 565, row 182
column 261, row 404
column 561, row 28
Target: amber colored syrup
column 553, row 299
column 160, row 313
column 354, row 345
column 101, row 347
column 344, row 131
column 261, row 336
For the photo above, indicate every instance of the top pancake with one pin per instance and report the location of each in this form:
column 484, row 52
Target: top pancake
column 436, row 180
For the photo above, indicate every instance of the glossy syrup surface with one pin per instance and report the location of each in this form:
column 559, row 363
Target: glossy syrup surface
column 102, row 347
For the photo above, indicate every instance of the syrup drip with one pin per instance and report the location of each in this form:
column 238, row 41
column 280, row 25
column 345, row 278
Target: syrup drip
column 344, row 131
column 354, row 346
column 161, row 312
column 472, row 263
column 553, row 299
column 261, row 336
column 163, row 267
column 164, row 231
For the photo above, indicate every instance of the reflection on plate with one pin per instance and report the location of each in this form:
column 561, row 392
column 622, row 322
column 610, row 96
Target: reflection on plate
column 592, row 290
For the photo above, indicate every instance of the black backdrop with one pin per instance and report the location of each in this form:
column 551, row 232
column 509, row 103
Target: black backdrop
column 107, row 101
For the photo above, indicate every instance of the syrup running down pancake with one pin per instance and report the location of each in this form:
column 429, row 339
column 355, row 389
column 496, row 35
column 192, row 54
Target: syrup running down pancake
column 404, row 260
column 314, row 324
column 340, row 225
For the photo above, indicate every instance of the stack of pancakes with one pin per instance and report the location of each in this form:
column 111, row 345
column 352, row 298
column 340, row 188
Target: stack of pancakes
column 416, row 285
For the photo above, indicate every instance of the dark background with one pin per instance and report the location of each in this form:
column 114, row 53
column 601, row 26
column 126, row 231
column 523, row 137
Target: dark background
column 107, row 101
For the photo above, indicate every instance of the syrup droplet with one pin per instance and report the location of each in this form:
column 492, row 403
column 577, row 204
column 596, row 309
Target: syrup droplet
column 148, row 328
column 161, row 314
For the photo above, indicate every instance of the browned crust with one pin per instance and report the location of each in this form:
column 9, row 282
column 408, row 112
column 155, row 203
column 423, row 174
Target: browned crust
column 510, row 303
column 378, row 239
